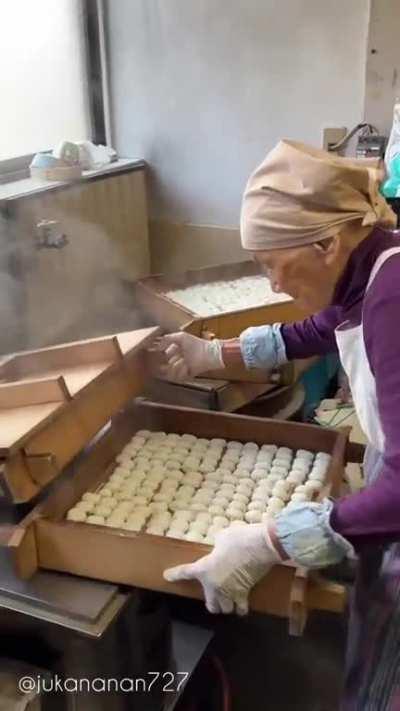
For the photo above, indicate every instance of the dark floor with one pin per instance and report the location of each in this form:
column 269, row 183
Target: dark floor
column 270, row 671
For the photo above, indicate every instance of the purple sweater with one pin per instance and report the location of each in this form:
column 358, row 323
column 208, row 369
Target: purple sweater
column 373, row 515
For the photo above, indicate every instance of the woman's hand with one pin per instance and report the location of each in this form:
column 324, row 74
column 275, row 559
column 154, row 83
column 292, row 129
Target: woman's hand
column 241, row 557
column 188, row 356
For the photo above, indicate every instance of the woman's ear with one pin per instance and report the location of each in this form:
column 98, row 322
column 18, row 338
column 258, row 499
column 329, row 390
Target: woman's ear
column 328, row 248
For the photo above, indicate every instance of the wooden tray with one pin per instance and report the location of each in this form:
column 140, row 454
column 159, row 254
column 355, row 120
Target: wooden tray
column 45, row 539
column 151, row 295
column 46, row 396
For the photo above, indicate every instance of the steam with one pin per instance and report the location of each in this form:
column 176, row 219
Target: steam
column 50, row 295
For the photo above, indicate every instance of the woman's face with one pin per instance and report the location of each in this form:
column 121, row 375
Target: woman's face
column 309, row 274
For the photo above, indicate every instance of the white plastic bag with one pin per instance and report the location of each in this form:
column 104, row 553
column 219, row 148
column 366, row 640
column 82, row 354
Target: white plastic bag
column 393, row 146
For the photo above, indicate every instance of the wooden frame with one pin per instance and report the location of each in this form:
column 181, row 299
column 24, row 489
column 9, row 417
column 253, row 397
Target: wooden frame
column 171, row 316
column 45, row 539
column 55, row 400
column 151, row 296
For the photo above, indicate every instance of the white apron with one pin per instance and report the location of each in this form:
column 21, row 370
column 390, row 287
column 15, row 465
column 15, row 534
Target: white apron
column 355, row 363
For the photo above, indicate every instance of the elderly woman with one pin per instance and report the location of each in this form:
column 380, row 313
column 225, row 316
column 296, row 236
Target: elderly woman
column 322, row 233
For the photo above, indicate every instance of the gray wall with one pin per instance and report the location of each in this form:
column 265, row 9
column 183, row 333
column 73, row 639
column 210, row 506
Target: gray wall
column 203, row 88
column 383, row 63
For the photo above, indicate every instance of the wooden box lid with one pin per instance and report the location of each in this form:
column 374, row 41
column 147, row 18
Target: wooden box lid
column 54, row 400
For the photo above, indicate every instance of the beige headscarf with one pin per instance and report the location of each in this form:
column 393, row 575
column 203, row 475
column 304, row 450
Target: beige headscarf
column 300, row 195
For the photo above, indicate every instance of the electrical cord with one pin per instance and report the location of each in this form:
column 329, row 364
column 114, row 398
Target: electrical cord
column 366, row 129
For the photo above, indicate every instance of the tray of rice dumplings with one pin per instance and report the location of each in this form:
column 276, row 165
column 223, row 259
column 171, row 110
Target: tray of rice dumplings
column 155, row 484
column 219, row 302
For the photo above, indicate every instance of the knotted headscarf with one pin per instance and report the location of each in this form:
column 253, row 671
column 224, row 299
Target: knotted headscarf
column 300, row 195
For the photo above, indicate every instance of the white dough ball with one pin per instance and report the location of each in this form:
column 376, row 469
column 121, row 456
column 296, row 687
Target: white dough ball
column 123, row 472
column 193, row 479
column 98, row 520
column 228, row 488
column 203, row 497
column 298, row 498
column 186, row 515
column 256, row 506
column 214, row 477
column 281, row 472
column 258, row 474
column 296, row 477
column 316, row 476
column 85, row 506
column 194, row 537
column 197, row 506
column 145, row 434
column 210, row 485
column 260, row 498
column 242, row 497
column 199, row 527
column 274, row 509
column 77, row 515
column 247, row 481
column 163, row 497
column 220, row 500
column 271, row 448
column 189, row 439
column 158, row 506
column 243, row 489
column 234, row 445
column 234, row 512
column 175, row 533
column 186, row 489
column 90, row 497
column 276, row 501
column 220, row 521
column 263, row 489
column 229, row 479
column 253, row 516
column 323, row 456
column 314, row 487
column 228, row 465
column 284, row 450
column 300, row 465
column 218, row 442
column 106, row 493
column 250, row 447
column 243, row 472
column 300, row 489
column 216, row 510
column 231, row 456
column 281, row 489
column 155, row 530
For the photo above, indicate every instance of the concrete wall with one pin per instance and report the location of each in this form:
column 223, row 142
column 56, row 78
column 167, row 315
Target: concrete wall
column 383, row 63
column 202, row 90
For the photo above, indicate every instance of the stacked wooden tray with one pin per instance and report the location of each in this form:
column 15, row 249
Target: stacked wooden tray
column 152, row 290
column 169, row 315
column 78, row 393
column 46, row 404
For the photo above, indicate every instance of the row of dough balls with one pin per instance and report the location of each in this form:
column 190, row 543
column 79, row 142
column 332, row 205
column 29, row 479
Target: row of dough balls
column 138, row 493
column 230, row 295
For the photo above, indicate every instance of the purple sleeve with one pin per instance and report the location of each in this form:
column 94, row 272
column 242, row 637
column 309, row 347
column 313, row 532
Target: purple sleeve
column 372, row 516
column 313, row 336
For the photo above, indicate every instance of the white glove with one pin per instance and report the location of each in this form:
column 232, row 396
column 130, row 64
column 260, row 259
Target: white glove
column 241, row 557
column 188, row 356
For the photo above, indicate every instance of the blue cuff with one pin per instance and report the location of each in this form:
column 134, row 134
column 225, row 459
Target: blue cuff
column 306, row 535
column 263, row 347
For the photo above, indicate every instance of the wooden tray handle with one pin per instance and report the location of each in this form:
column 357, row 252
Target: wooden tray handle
column 311, row 591
column 21, row 544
